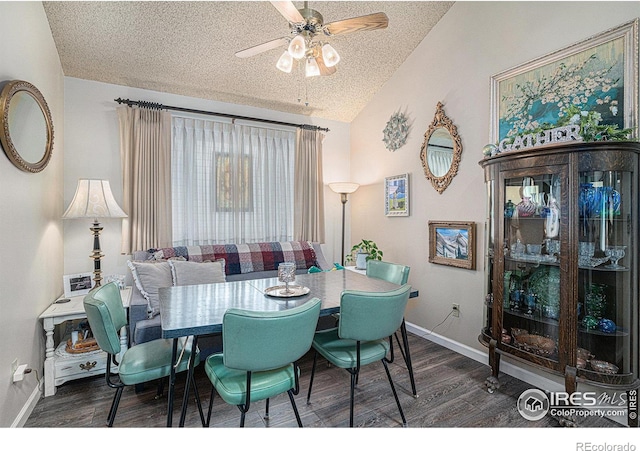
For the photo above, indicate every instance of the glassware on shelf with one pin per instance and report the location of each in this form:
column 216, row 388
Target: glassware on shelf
column 287, row 274
column 615, row 253
column 552, row 246
column 595, row 300
column 509, row 208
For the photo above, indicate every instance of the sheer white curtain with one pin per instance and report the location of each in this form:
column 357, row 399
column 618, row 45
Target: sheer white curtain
column 231, row 183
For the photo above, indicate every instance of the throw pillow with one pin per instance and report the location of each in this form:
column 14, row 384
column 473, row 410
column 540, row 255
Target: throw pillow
column 196, row 273
column 149, row 277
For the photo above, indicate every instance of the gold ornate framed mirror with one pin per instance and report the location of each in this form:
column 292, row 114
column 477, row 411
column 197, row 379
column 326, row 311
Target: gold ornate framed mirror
column 26, row 128
column 441, row 150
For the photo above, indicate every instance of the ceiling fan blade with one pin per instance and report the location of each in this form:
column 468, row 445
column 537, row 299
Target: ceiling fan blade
column 374, row 21
column 324, row 70
column 288, row 11
column 251, row 51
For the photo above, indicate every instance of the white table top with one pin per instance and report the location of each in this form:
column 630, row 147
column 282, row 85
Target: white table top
column 75, row 307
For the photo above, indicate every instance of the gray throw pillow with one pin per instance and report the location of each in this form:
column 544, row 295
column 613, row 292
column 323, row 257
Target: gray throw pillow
column 196, row 273
column 149, row 277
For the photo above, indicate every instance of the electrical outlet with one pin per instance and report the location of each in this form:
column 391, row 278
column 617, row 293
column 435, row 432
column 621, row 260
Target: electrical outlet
column 14, row 366
column 456, row 310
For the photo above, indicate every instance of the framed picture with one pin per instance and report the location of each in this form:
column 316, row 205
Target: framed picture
column 452, row 243
column 233, row 183
column 396, row 195
column 596, row 78
column 77, row 284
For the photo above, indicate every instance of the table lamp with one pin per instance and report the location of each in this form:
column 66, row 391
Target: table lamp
column 93, row 199
column 343, row 188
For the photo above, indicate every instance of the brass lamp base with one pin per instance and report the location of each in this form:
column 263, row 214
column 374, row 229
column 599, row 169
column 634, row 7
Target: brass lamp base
column 97, row 254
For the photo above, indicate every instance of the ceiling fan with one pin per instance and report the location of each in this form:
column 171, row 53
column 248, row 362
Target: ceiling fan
column 307, row 40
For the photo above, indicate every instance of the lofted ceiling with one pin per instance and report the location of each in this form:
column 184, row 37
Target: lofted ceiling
column 188, row 48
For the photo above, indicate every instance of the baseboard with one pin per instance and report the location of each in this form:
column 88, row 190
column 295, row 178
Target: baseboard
column 28, row 407
column 506, row 367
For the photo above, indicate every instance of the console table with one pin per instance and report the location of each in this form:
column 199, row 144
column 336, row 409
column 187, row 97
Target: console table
column 61, row 366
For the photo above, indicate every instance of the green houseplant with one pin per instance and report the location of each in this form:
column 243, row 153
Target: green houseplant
column 363, row 251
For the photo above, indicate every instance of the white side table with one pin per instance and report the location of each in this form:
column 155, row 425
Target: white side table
column 59, row 365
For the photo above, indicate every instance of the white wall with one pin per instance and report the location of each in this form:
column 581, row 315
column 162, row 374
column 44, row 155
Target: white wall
column 453, row 64
column 30, row 225
column 92, row 151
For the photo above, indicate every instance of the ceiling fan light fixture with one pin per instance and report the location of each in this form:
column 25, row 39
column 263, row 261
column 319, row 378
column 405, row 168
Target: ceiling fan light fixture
column 330, row 56
column 297, row 47
column 285, row 63
column 311, row 68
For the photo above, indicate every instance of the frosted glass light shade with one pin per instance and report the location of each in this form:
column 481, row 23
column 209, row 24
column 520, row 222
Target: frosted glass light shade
column 330, row 56
column 285, row 63
column 311, row 69
column 297, row 47
column 93, row 199
column 343, row 187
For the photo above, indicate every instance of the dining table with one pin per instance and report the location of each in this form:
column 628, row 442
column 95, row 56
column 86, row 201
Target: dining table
column 196, row 310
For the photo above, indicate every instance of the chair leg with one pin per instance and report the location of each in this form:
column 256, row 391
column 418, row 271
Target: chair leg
column 114, row 406
column 208, row 422
column 266, row 414
column 295, row 408
column 313, row 372
column 160, row 390
column 354, row 377
column 395, row 394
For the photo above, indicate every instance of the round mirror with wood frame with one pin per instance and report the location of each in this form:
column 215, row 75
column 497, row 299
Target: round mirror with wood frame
column 441, row 150
column 26, row 127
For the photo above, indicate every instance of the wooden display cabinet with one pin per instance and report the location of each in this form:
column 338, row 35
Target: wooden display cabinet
column 557, row 297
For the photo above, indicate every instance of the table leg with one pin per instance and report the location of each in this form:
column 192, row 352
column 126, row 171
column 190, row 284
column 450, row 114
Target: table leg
column 172, row 382
column 187, row 385
column 49, row 362
column 407, row 357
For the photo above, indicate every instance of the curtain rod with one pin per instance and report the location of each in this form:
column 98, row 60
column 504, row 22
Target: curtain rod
column 159, row 106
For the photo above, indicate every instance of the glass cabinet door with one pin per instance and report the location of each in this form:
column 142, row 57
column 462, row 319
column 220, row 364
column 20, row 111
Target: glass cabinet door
column 605, row 270
column 532, row 287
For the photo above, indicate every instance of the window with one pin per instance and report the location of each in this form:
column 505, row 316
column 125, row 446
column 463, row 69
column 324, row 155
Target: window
column 231, row 183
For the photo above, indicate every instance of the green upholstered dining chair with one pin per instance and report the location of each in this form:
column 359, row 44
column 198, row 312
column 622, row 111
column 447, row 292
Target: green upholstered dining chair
column 259, row 357
column 141, row 363
column 366, row 321
column 398, row 274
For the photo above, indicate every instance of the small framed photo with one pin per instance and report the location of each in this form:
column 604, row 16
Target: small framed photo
column 77, row 284
column 396, row 195
column 452, row 243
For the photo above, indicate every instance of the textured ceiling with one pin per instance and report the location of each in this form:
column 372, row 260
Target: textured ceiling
column 188, row 48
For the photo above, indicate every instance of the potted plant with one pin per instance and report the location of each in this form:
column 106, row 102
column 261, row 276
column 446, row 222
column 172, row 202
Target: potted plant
column 364, row 250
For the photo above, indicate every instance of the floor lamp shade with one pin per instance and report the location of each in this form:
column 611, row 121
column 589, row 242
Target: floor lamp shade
column 343, row 188
column 94, row 199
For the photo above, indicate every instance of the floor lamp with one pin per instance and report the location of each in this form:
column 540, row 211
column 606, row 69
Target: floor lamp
column 343, row 188
column 93, row 199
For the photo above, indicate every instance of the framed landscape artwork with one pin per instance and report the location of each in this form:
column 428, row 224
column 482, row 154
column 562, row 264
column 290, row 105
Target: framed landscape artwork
column 396, row 195
column 452, row 243
column 595, row 80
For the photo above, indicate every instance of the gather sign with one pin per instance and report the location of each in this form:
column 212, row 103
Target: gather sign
column 566, row 133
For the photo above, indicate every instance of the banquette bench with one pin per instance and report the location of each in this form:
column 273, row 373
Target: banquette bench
column 165, row 267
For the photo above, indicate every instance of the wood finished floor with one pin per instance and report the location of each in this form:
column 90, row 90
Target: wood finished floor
column 450, row 387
